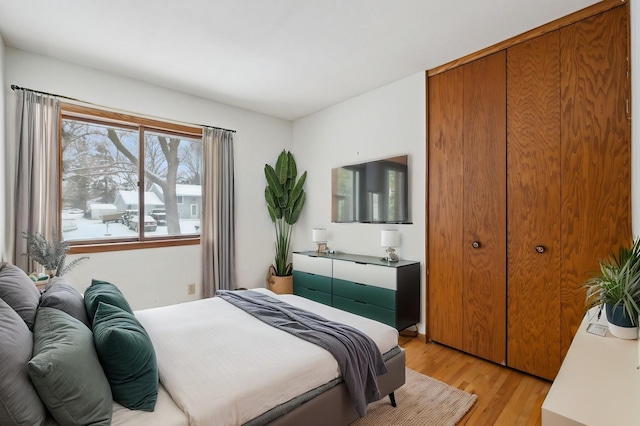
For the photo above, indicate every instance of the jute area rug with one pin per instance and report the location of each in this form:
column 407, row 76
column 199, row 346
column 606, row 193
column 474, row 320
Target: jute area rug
column 421, row 401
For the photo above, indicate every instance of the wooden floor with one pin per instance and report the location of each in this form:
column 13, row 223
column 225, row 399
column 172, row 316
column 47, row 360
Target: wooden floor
column 505, row 396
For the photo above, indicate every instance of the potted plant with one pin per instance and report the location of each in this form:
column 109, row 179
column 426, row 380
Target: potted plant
column 285, row 197
column 50, row 254
column 617, row 288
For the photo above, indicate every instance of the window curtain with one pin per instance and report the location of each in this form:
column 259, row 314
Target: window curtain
column 37, row 185
column 217, row 231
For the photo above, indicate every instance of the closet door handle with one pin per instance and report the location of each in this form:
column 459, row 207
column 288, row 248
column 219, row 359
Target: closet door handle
column 475, row 244
column 540, row 249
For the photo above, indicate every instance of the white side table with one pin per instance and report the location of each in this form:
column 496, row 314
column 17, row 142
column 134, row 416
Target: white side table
column 598, row 383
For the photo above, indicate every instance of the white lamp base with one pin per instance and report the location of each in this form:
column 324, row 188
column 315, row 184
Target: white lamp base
column 391, row 255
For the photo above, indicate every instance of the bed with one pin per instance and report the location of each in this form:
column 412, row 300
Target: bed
column 216, row 364
column 239, row 370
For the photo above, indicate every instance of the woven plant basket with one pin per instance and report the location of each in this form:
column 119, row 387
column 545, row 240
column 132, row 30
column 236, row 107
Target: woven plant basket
column 280, row 285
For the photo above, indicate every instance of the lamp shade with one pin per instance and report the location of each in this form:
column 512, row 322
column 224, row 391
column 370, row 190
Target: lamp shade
column 389, row 238
column 319, row 235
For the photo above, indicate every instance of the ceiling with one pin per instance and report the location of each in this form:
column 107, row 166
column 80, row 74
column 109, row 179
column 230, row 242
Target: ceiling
column 283, row 58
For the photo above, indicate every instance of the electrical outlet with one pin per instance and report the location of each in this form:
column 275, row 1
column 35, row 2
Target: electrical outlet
column 191, row 288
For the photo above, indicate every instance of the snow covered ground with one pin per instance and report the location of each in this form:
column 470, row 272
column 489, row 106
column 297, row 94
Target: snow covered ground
column 77, row 227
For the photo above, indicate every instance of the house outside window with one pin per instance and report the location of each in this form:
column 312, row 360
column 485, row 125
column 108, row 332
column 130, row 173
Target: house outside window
column 125, row 179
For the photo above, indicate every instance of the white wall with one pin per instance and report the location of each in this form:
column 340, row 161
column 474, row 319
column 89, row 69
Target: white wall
column 381, row 123
column 635, row 116
column 161, row 275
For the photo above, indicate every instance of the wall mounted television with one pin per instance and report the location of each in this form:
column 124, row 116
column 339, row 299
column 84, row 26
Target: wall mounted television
column 371, row 192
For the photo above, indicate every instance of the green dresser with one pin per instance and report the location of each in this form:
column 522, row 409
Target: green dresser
column 364, row 285
column 313, row 279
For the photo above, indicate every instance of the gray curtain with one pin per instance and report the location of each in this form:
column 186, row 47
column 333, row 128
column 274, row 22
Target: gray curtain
column 37, row 189
column 217, row 231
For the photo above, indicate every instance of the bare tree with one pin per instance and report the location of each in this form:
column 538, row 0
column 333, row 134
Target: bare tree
column 92, row 169
column 170, row 149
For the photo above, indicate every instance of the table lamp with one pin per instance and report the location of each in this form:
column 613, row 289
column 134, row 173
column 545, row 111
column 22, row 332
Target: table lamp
column 390, row 238
column 319, row 237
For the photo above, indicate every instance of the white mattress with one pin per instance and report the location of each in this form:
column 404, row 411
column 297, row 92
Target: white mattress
column 222, row 366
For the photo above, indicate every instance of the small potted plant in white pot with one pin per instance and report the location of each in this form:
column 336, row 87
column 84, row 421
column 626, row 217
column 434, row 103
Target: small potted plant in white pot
column 617, row 289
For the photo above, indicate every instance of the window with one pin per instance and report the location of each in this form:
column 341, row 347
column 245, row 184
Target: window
column 396, row 201
column 124, row 178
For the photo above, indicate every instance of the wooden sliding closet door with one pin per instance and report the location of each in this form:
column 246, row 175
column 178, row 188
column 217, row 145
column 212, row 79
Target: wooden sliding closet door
column 529, row 168
column 467, row 208
column 484, row 208
column 534, row 252
column 596, row 150
column 445, row 208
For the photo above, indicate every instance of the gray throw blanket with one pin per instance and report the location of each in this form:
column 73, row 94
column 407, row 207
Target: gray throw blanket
column 357, row 355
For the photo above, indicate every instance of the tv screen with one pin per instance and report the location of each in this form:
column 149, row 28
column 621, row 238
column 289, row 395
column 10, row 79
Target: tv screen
column 372, row 192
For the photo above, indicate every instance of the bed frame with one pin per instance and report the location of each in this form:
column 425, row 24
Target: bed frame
column 334, row 407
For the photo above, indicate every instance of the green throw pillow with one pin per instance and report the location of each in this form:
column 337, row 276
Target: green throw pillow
column 66, row 372
column 102, row 291
column 127, row 356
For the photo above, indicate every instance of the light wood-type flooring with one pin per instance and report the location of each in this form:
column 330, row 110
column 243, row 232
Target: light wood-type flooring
column 505, row 396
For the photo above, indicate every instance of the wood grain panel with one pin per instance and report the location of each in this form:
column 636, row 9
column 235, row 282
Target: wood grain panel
column 484, row 210
column 445, row 208
column 74, row 110
column 595, row 153
column 533, row 207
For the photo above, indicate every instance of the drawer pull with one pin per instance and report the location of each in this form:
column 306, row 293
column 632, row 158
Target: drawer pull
column 361, row 263
column 362, row 303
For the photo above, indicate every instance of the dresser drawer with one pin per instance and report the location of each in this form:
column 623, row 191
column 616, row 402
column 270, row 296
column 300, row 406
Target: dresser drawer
column 365, row 293
column 363, row 273
column 312, row 281
column 315, row 295
column 313, row 265
column 377, row 313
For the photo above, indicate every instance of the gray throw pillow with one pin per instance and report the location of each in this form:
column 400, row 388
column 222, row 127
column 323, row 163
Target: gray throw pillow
column 19, row 292
column 63, row 296
column 19, row 401
column 66, row 372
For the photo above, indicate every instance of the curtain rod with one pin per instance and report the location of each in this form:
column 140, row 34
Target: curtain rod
column 14, row 87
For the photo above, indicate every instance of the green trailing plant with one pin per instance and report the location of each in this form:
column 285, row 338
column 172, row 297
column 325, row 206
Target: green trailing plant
column 618, row 282
column 52, row 255
column 285, row 198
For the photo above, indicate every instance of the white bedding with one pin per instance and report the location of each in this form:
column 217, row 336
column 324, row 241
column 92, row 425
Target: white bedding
column 224, row 367
column 166, row 413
